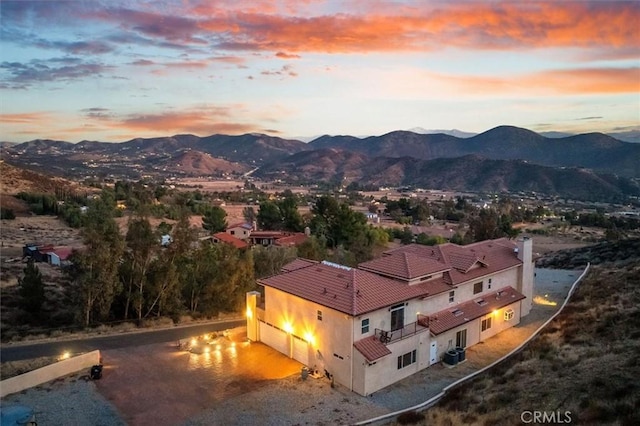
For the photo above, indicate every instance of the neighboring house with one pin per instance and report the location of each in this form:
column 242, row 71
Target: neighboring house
column 391, row 317
column 223, row 237
column 277, row 238
column 240, row 230
column 59, row 255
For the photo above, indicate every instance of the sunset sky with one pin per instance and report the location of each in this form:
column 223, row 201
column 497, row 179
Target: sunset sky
column 113, row 70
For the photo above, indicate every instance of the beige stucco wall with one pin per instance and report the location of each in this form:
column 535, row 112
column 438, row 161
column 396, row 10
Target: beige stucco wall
column 48, row 373
column 330, row 338
column 474, row 333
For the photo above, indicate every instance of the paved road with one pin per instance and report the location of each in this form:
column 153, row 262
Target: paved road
column 55, row 348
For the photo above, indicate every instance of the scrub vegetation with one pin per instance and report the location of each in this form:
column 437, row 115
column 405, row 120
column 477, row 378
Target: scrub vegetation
column 583, row 366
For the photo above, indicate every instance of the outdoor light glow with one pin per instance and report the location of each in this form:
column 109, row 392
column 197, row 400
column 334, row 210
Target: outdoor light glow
column 539, row 300
column 207, row 349
column 308, row 336
column 194, row 342
column 495, row 312
column 65, row 355
column 288, row 327
column 249, row 313
column 217, row 347
column 205, row 337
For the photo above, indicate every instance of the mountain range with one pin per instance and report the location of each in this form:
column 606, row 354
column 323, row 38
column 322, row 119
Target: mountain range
column 505, row 157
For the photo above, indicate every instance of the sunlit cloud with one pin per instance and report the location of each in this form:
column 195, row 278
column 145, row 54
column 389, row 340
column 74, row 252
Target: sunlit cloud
column 570, row 81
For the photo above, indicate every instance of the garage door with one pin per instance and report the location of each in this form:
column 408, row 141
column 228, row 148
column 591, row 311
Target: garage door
column 301, row 351
column 275, row 338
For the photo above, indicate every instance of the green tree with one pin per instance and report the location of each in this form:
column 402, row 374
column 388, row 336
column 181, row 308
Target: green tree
column 268, row 261
column 214, row 219
column 31, row 288
column 142, row 244
column 314, row 248
column 249, row 214
column 269, row 216
column 94, row 279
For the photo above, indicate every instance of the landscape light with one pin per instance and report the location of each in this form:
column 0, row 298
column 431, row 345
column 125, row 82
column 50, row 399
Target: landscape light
column 65, row 355
column 194, row 342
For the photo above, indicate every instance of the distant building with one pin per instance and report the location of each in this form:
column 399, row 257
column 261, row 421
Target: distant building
column 224, row 238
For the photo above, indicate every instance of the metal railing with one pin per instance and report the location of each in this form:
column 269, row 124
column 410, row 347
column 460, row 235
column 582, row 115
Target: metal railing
column 387, row 336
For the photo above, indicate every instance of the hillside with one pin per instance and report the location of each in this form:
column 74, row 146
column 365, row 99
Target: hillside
column 585, row 363
column 470, row 172
column 196, row 163
column 594, row 150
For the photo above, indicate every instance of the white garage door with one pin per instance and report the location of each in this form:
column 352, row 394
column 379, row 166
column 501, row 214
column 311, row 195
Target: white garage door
column 275, row 338
column 301, row 351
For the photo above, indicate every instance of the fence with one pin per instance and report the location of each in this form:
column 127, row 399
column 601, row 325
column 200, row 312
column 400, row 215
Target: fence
column 48, row 373
column 385, row 418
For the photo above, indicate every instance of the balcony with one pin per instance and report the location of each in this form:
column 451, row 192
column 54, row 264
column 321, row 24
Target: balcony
column 387, row 337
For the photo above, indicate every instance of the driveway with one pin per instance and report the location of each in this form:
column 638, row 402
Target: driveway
column 161, row 384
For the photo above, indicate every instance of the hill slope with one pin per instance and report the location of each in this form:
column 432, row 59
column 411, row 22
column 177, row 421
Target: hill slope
column 470, row 172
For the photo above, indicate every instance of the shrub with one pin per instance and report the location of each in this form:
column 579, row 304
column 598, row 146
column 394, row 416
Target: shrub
column 410, row 418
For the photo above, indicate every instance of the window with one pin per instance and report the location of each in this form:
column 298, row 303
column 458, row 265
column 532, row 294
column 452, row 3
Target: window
column 452, row 296
column 477, row 288
column 397, row 317
column 461, row 338
column 489, row 284
column 486, row 323
column 233, row 232
column 319, row 315
column 365, row 325
column 508, row 314
column 406, row 359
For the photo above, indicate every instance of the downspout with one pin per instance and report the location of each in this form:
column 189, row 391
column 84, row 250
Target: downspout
column 352, row 320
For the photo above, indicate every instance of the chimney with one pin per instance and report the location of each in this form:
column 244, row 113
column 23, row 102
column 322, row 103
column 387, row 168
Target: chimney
column 254, row 225
column 307, row 231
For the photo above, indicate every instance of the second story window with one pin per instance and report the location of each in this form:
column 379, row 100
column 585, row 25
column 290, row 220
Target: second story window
column 477, row 288
column 452, row 296
column 365, row 325
column 319, row 315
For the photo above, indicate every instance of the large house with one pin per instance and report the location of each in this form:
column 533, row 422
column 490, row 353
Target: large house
column 370, row 326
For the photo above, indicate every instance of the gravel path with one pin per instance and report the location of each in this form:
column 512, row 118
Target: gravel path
column 292, row 401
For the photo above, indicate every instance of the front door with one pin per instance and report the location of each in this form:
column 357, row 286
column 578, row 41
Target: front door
column 433, row 353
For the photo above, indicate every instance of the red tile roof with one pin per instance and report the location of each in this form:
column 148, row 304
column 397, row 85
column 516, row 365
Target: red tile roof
column 372, row 348
column 455, row 316
column 297, row 264
column 358, row 291
column 467, row 262
column 291, row 240
column 230, row 239
column 349, row 290
column 405, row 265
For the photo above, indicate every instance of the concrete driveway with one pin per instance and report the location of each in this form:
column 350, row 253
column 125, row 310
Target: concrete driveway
column 163, row 385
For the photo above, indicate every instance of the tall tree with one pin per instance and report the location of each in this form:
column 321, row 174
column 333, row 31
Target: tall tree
column 31, row 288
column 249, row 214
column 269, row 216
column 142, row 246
column 94, row 271
column 268, row 261
column 214, row 219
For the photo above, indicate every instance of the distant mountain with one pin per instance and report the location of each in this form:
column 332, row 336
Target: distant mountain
column 453, row 132
column 593, row 150
column 470, row 172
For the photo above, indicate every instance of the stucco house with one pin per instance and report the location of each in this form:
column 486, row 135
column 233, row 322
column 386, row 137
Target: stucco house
column 370, row 326
column 240, row 230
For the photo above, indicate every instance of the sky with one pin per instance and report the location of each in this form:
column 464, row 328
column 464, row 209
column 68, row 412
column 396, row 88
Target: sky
column 113, row 70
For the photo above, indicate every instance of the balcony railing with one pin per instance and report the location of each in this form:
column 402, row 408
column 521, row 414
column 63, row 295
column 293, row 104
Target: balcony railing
column 386, row 336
